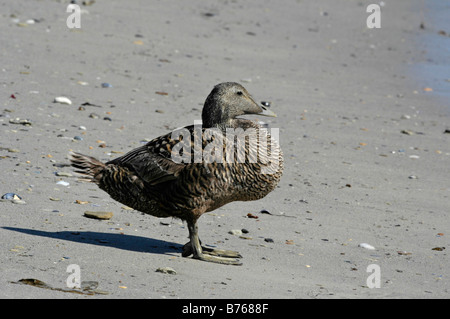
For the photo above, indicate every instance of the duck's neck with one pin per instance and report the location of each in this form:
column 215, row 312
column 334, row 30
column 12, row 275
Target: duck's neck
column 235, row 123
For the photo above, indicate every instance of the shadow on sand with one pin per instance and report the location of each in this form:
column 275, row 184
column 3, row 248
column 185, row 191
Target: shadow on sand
column 119, row 241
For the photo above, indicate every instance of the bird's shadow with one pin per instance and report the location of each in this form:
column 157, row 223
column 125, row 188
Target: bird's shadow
column 119, row 241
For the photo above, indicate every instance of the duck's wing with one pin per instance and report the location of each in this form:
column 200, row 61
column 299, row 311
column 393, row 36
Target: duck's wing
column 152, row 162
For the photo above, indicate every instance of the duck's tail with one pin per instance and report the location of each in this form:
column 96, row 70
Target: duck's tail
column 88, row 166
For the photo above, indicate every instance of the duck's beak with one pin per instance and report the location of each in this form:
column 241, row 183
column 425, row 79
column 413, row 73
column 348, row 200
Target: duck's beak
column 266, row 112
column 254, row 108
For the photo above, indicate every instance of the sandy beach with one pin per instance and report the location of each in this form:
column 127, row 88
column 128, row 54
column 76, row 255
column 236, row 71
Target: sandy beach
column 362, row 210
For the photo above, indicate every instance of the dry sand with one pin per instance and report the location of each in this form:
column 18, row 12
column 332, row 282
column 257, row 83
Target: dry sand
column 343, row 94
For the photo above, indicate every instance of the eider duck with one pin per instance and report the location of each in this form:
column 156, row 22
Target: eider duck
column 196, row 169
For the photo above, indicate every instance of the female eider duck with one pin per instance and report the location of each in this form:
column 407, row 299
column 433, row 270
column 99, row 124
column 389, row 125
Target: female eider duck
column 196, row 169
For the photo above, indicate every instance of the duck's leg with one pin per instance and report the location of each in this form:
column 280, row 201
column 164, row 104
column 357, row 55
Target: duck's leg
column 188, row 250
column 207, row 254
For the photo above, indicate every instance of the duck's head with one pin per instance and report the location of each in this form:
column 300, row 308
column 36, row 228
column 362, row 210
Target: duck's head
column 226, row 102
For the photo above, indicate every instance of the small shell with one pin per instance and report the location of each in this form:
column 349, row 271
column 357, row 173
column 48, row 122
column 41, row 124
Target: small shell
column 366, row 246
column 11, row 196
column 63, row 183
column 63, row 100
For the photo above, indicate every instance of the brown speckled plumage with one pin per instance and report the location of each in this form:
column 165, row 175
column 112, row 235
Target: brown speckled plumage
column 151, row 180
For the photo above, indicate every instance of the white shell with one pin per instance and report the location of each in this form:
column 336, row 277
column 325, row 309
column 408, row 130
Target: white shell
column 366, row 246
column 63, row 183
column 62, row 100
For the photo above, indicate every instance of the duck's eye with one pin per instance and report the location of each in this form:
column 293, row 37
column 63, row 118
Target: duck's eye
column 239, row 93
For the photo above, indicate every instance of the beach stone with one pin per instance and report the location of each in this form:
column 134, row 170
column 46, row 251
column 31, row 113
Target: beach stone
column 20, row 121
column 63, row 174
column 407, row 132
column 236, row 232
column 166, row 270
column 98, row 215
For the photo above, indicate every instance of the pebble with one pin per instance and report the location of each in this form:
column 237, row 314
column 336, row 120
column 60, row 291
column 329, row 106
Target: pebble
column 20, row 121
column 78, row 138
column 268, row 240
column 62, row 100
column 63, row 174
column 407, row 132
column 250, row 215
column 236, row 232
column 412, row 177
column 166, row 270
column 98, row 215
column 366, row 246
column 106, row 85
